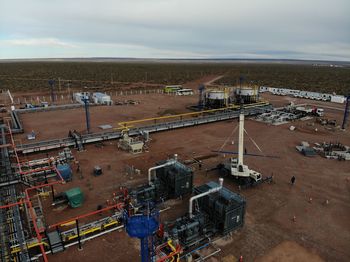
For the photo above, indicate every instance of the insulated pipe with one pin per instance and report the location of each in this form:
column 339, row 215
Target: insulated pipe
column 210, row 191
column 168, row 163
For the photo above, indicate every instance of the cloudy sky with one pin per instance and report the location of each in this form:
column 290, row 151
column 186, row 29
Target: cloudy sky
column 296, row 29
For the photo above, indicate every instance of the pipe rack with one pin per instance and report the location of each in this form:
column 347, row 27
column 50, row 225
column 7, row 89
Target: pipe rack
column 212, row 116
column 11, row 226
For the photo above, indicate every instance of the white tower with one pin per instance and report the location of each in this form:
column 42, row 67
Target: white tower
column 236, row 166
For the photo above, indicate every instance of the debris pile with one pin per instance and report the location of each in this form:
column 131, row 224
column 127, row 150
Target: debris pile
column 305, row 149
column 126, row 102
column 333, row 150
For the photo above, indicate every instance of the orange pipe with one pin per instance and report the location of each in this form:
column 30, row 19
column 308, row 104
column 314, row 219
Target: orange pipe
column 35, row 170
column 27, row 201
column 30, row 207
column 85, row 215
column 13, row 204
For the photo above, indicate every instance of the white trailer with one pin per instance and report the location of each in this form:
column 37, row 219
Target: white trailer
column 263, row 89
column 338, row 99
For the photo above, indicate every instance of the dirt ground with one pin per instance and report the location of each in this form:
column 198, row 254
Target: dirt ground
column 56, row 124
column 320, row 231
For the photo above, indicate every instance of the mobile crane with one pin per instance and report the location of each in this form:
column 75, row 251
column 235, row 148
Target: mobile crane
column 235, row 166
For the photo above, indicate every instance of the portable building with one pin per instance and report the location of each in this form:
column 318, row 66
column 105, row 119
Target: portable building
column 338, row 99
column 101, row 98
column 263, row 89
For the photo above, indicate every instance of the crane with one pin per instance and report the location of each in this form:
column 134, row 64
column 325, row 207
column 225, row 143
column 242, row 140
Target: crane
column 236, row 167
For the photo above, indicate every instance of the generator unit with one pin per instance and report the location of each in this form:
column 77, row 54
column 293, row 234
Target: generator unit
column 217, row 213
column 189, row 230
column 225, row 208
column 172, row 180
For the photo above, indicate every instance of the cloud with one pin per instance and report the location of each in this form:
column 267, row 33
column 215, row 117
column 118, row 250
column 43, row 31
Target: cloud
column 48, row 42
column 313, row 29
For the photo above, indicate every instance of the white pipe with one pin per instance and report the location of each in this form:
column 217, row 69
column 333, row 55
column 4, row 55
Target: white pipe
column 210, row 191
column 168, row 163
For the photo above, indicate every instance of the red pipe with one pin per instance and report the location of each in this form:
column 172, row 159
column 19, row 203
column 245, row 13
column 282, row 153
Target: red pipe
column 85, row 215
column 35, row 170
column 38, row 236
column 27, row 201
column 13, row 204
column 30, row 206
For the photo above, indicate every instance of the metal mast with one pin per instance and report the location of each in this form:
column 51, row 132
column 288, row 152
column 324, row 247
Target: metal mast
column 241, row 138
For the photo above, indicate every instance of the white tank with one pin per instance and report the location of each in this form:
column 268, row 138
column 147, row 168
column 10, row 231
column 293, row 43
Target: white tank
column 246, row 91
column 216, row 95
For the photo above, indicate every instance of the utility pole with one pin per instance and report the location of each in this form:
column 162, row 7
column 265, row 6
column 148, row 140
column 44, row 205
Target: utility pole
column 87, row 113
column 51, row 83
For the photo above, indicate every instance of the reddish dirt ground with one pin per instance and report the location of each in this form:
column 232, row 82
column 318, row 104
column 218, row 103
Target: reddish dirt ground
column 320, row 232
column 56, row 124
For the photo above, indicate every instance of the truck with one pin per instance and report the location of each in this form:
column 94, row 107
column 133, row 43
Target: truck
column 316, row 111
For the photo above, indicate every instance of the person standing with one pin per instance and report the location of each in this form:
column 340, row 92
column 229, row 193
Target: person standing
column 292, row 180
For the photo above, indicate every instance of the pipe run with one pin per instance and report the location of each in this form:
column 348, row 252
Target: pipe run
column 168, row 163
column 210, row 191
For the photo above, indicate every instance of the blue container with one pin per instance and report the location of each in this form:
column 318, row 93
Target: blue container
column 65, row 171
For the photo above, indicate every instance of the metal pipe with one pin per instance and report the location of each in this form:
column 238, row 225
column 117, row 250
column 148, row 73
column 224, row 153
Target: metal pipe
column 168, row 163
column 210, row 191
column 84, row 215
column 84, row 240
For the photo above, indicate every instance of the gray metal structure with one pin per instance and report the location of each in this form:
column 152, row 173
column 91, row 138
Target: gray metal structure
column 97, row 137
column 11, row 227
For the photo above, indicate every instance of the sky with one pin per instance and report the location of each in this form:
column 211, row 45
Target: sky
column 251, row 29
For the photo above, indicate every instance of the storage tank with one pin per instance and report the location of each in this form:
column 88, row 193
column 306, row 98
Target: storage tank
column 216, row 94
column 247, row 95
column 215, row 99
column 246, row 91
column 65, row 171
